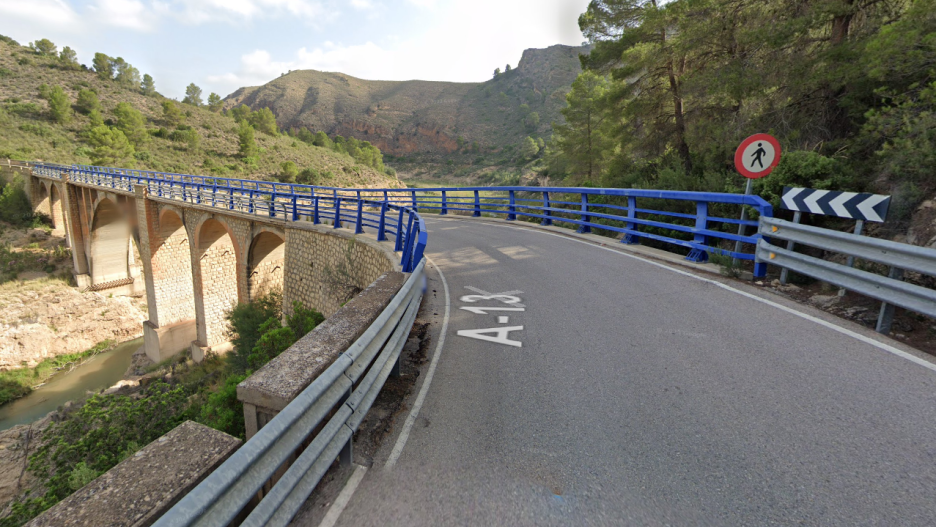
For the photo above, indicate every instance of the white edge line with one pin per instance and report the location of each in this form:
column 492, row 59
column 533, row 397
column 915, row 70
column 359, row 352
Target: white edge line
column 334, row 512
column 414, row 413
column 867, row 340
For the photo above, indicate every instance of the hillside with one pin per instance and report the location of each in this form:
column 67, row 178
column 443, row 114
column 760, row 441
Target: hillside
column 425, row 120
column 28, row 132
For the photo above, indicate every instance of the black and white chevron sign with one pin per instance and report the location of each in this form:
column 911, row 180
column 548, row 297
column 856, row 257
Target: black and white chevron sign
column 858, row 206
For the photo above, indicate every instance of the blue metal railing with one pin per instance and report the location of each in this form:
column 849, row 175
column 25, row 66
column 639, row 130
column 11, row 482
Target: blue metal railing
column 274, row 200
column 687, row 219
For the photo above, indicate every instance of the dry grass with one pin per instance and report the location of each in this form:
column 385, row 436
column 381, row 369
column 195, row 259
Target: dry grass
column 29, row 135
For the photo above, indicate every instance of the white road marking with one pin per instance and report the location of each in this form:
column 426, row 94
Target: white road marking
column 502, row 320
column 505, row 297
column 867, row 340
column 334, row 512
column 414, row 413
column 501, row 338
column 484, row 310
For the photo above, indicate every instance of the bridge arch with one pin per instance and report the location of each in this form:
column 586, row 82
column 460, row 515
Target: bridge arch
column 171, row 264
column 110, row 243
column 41, row 197
column 55, row 209
column 216, row 287
column 265, row 263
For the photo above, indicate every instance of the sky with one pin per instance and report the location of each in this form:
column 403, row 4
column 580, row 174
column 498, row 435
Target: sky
column 221, row 45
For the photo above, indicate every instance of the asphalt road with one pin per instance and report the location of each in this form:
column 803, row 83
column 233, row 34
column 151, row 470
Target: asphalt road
column 644, row 396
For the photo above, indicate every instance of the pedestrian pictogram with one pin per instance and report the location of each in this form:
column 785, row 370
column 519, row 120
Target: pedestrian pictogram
column 757, row 156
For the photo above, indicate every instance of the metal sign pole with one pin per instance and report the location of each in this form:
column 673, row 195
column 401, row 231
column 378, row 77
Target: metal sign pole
column 748, row 189
column 784, row 273
column 851, row 259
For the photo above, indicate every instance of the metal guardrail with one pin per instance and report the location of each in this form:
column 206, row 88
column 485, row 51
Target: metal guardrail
column 888, row 289
column 613, row 210
column 276, row 200
column 346, row 391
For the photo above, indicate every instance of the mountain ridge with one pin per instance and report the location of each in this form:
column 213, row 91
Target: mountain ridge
column 424, row 117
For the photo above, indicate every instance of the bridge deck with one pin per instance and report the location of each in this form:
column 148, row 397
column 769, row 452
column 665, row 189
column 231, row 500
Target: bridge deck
column 644, row 395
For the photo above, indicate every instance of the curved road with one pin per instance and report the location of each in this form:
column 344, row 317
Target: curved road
column 646, row 395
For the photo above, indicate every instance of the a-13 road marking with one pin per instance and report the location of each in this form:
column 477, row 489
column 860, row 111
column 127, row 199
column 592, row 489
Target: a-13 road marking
column 498, row 335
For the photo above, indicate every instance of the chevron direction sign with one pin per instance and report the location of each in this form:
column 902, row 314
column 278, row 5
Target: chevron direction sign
column 854, row 205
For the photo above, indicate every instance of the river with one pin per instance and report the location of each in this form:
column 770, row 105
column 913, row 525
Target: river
column 101, row 371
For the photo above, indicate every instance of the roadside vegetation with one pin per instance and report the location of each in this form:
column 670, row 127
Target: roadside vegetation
column 54, row 109
column 88, row 438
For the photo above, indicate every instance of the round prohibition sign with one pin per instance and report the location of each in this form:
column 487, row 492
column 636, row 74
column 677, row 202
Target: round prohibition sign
column 757, row 156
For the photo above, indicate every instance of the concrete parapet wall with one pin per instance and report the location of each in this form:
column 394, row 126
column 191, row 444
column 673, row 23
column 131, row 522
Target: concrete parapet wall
column 147, row 484
column 277, row 383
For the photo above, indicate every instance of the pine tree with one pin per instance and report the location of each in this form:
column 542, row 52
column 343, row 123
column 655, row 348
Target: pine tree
column 103, row 66
column 59, row 105
column 43, row 47
column 87, row 101
column 148, row 87
column 582, row 138
column 111, row 147
column 69, row 58
column 193, row 95
column 214, row 102
column 247, row 144
column 132, row 123
column 172, row 114
column 263, row 121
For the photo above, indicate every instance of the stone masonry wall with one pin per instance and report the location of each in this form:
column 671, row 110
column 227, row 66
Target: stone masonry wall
column 326, row 267
column 219, row 288
column 172, row 277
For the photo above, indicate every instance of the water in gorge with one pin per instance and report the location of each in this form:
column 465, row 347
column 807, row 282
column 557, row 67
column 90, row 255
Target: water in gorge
column 101, row 371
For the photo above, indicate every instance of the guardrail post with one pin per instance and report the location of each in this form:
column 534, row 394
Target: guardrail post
column 584, row 229
column 295, row 211
column 631, row 239
column 444, row 210
column 850, row 262
column 337, row 223
column 398, row 246
column 414, row 201
column 214, row 193
column 250, row 202
column 698, row 254
column 477, row 205
column 407, row 260
column 359, row 227
column 886, row 316
column 785, row 273
column 381, row 227
column 546, row 211
column 231, row 199
column 512, row 214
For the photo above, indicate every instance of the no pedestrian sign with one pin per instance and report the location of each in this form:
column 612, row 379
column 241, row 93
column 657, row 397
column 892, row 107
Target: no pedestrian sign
column 757, row 156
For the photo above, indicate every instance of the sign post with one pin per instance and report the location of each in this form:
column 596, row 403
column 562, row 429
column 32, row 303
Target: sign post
column 756, row 157
column 853, row 205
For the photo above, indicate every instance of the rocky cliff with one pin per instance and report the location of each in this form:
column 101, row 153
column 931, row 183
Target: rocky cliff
column 424, row 117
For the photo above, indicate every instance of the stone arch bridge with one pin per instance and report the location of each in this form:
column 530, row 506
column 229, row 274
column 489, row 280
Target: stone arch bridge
column 195, row 259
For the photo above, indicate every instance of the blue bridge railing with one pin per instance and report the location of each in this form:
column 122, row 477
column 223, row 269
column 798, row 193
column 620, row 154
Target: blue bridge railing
column 281, row 201
column 696, row 222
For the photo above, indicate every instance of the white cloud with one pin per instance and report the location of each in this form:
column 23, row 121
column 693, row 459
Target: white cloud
column 423, row 3
column 55, row 13
column 240, row 11
column 362, row 5
column 129, row 14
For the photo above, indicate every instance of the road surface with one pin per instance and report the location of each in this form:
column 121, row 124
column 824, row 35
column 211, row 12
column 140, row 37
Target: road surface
column 645, row 395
